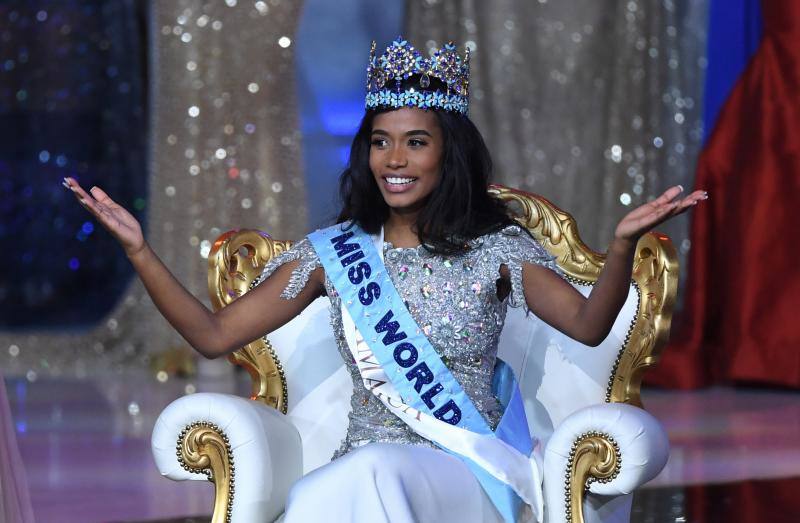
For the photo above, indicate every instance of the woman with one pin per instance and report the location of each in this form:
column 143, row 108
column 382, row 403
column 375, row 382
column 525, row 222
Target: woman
column 451, row 260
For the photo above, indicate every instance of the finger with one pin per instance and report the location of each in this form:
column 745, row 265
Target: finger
column 100, row 209
column 75, row 187
column 682, row 209
column 693, row 199
column 667, row 210
column 669, row 195
column 101, row 196
column 90, row 205
column 684, row 205
column 85, row 199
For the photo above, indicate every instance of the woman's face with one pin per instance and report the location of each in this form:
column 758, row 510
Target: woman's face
column 405, row 156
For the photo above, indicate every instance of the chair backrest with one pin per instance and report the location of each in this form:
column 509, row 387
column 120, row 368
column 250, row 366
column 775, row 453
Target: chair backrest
column 298, row 369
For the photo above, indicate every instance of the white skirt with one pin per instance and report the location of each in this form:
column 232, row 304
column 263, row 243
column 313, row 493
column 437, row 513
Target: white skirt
column 392, row 483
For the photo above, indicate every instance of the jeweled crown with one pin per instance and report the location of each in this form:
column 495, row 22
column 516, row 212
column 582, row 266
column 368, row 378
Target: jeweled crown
column 400, row 61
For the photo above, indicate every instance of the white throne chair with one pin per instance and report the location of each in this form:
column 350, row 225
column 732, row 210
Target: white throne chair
column 582, row 402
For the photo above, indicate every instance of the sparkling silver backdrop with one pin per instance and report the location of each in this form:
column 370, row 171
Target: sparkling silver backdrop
column 225, row 154
column 594, row 105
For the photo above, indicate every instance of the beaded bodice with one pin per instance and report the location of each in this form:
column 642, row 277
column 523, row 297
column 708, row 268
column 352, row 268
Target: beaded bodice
column 454, row 299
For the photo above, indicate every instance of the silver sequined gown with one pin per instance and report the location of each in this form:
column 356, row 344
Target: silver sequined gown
column 454, row 300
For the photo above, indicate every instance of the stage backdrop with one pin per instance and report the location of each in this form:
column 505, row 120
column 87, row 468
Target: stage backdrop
column 225, row 153
column 594, row 105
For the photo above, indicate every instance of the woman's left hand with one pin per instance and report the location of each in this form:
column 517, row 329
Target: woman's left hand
column 643, row 218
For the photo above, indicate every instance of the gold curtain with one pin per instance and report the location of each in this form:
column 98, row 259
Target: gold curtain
column 594, row 105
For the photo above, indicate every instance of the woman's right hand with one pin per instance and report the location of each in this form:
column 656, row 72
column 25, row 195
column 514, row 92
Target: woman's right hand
column 118, row 221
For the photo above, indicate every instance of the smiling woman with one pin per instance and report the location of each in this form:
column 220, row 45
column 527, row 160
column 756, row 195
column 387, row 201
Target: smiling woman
column 419, row 269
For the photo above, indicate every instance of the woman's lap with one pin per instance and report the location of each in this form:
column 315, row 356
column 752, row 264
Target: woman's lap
column 385, row 482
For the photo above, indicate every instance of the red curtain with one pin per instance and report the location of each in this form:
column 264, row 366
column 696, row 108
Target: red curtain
column 773, row 501
column 741, row 317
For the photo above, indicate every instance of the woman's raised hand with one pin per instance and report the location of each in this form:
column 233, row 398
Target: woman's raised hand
column 119, row 222
column 643, row 218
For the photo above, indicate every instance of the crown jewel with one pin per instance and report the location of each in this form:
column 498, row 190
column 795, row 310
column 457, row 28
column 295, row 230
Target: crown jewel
column 401, row 61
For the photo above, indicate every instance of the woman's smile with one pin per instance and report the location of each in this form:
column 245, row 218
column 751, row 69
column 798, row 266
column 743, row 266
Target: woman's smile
column 398, row 183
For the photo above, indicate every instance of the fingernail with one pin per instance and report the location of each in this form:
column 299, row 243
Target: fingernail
column 66, row 184
column 680, row 187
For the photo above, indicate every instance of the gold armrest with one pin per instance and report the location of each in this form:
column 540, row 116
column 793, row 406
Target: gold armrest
column 204, row 448
column 594, row 457
column 655, row 275
column 235, row 261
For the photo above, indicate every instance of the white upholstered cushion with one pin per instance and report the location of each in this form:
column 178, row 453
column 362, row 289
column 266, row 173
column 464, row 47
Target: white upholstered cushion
column 266, row 449
column 319, row 386
column 643, row 448
column 558, row 375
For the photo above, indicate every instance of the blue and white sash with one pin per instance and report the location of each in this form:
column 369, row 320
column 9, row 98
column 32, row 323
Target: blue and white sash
column 400, row 367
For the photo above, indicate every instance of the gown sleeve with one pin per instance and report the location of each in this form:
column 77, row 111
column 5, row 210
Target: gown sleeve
column 308, row 261
column 519, row 248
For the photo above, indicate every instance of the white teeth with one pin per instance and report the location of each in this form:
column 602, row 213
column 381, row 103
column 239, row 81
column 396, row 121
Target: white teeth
column 399, row 181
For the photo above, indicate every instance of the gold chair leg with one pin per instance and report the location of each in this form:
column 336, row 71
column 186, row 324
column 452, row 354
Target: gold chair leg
column 204, row 448
column 594, row 457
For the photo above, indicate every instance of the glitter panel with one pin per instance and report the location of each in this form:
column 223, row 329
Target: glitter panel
column 81, row 114
column 225, row 153
column 595, row 105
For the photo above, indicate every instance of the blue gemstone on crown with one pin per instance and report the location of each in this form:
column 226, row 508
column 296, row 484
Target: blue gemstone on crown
column 400, row 61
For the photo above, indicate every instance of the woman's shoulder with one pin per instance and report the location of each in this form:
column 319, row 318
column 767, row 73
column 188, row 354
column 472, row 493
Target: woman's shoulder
column 508, row 234
column 512, row 243
column 301, row 251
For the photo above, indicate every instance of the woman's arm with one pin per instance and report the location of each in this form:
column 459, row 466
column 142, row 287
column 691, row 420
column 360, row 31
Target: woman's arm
column 589, row 320
column 213, row 334
column 259, row 311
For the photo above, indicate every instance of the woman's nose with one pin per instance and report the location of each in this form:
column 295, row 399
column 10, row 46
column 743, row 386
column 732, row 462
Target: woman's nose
column 397, row 158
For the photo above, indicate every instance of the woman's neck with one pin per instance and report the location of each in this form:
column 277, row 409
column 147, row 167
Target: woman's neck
column 400, row 229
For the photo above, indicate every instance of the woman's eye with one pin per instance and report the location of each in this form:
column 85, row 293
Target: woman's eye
column 416, row 142
column 378, row 142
